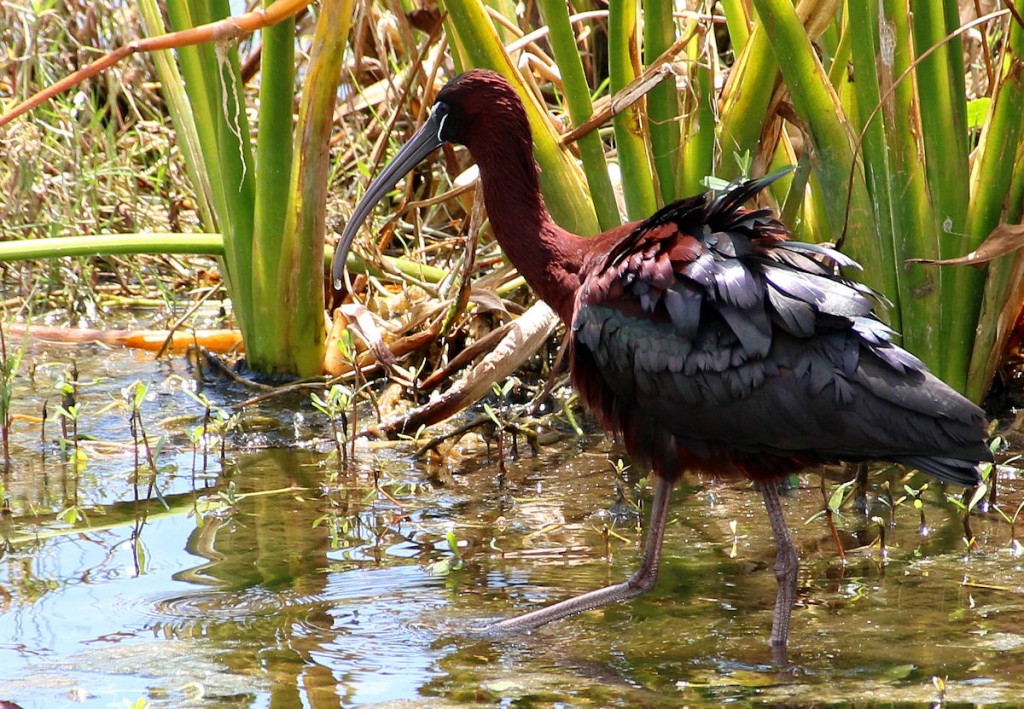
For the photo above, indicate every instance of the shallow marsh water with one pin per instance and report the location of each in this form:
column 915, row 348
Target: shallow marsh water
column 268, row 582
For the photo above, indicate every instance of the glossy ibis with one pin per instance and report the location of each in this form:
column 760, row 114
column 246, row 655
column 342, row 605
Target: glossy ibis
column 704, row 336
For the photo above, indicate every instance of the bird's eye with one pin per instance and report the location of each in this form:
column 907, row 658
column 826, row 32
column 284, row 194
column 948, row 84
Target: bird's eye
column 440, row 117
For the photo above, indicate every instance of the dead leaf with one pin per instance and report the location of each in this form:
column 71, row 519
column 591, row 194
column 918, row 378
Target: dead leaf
column 487, row 301
column 362, row 324
column 1004, row 239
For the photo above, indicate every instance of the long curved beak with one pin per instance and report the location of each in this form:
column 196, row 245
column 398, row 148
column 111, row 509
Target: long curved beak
column 425, row 141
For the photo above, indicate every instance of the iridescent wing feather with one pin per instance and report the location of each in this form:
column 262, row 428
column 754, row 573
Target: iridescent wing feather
column 714, row 342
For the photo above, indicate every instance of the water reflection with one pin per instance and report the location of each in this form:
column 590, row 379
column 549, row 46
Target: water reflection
column 274, row 582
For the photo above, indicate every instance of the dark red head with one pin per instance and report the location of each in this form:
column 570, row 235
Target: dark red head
column 478, row 109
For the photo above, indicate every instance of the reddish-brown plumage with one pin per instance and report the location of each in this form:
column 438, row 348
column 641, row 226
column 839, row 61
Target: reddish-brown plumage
column 703, row 336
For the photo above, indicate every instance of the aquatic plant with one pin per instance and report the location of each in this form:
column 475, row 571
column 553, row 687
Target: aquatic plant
column 899, row 159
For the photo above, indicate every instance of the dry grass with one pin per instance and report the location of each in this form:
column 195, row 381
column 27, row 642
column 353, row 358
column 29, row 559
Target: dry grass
column 101, row 159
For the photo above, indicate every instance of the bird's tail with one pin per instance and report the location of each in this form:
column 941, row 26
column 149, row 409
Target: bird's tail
column 951, row 470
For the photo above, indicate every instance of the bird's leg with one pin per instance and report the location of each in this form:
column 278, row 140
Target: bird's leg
column 787, row 565
column 643, row 579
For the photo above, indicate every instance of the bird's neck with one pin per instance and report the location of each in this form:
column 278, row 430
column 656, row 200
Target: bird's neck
column 547, row 256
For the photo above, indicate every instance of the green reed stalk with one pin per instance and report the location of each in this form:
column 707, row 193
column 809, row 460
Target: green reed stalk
column 581, row 108
column 631, row 128
column 698, row 122
column 302, row 300
column 817, row 105
column 662, row 100
column 996, row 173
column 274, row 157
column 943, row 113
column 748, row 93
column 214, row 87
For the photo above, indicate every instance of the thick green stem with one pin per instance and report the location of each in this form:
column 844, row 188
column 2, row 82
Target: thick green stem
column 748, row 94
column 943, row 111
column 267, row 349
column 997, row 157
column 630, row 128
column 581, row 108
column 817, row 105
column 109, row 244
column 662, row 100
column 214, row 86
column 300, row 301
column 698, row 152
column 738, row 22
